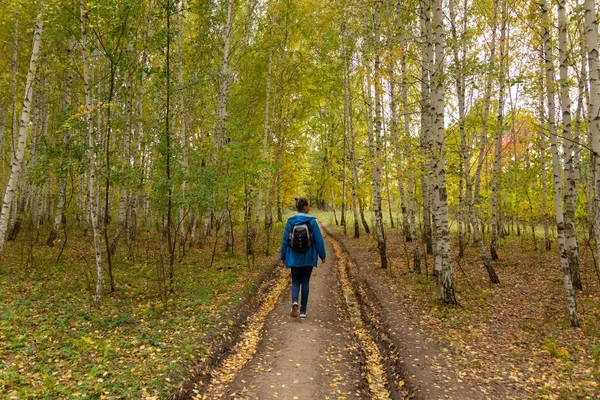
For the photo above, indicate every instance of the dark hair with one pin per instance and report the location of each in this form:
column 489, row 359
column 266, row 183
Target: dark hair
column 300, row 203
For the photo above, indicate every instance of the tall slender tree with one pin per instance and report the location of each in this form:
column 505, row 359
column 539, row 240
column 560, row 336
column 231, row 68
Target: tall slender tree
column 93, row 203
column 569, row 150
column 558, row 189
column 440, row 196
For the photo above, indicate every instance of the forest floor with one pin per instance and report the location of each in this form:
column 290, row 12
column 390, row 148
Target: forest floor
column 510, row 340
column 56, row 344
column 334, row 353
column 381, row 334
column 227, row 333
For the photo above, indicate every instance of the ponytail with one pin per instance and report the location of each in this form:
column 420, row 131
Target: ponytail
column 300, row 203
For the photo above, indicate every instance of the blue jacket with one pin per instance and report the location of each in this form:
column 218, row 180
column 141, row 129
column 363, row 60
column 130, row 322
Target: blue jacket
column 309, row 258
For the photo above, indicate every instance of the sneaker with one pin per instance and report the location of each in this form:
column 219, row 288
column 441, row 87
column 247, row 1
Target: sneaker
column 303, row 315
column 294, row 312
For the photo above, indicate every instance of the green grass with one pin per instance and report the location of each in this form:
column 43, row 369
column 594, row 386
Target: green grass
column 55, row 344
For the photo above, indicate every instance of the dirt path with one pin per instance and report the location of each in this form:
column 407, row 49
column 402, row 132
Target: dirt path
column 357, row 343
column 332, row 354
column 312, row 358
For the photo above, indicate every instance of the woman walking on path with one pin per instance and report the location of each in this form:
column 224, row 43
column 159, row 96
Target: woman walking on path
column 301, row 246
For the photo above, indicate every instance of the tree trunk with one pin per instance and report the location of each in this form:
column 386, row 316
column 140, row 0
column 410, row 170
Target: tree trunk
column 440, row 199
column 389, row 198
column 542, row 152
column 17, row 163
column 221, row 125
column 470, row 195
column 397, row 148
column 344, row 161
column 13, row 86
column 270, row 191
column 426, row 61
column 374, row 134
column 569, row 150
column 93, row 204
column 409, row 155
column 486, row 112
column 496, row 214
column 171, row 237
column 183, row 140
column 560, row 224
column 328, row 156
column 460, row 91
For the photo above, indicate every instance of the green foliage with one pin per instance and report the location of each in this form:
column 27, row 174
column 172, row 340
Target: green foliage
column 556, row 351
column 54, row 344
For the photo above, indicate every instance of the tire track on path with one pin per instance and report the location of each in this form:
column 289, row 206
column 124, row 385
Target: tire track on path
column 374, row 367
column 333, row 354
column 246, row 347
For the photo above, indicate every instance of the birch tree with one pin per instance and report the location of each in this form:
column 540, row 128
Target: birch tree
column 502, row 62
column 17, row 161
column 460, row 96
column 440, row 198
column 426, row 62
column 397, row 147
column 403, row 29
column 472, row 193
column 92, row 200
column 569, row 150
column 560, row 224
column 349, row 135
column 375, row 130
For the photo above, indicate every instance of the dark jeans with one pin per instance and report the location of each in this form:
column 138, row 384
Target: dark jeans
column 300, row 276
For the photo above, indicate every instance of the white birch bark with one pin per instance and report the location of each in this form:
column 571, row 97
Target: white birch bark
column 560, row 225
column 193, row 227
column 17, row 208
column 496, row 217
column 375, row 135
column 13, row 113
column 93, row 202
column 432, row 150
column 426, row 62
column 440, row 198
column 571, row 173
column 398, row 151
column 17, row 164
column 581, row 129
column 13, row 88
column 460, row 94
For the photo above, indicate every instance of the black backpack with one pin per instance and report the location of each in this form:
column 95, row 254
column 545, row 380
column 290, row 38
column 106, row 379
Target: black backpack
column 301, row 237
